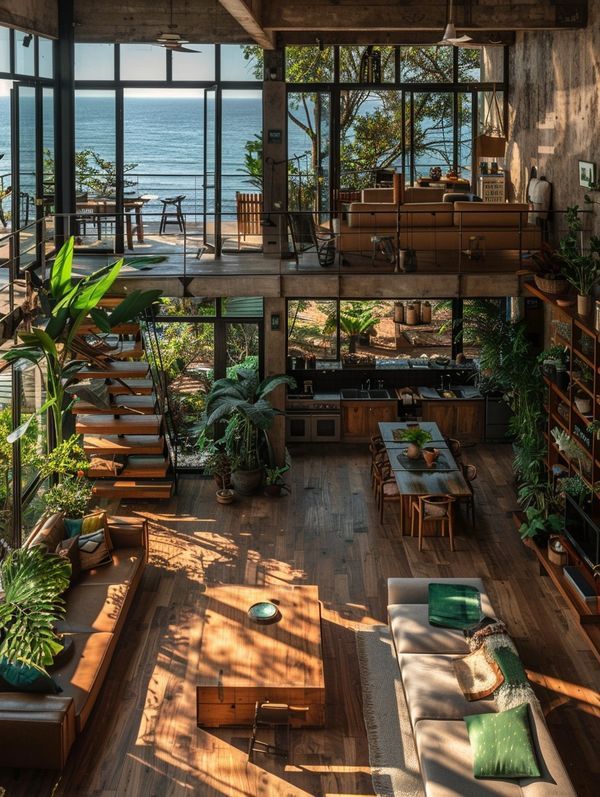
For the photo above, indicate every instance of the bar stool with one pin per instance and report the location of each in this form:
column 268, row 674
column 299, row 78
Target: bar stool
column 434, row 509
column 270, row 716
column 174, row 216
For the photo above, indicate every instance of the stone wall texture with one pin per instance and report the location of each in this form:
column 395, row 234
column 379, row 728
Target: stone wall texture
column 555, row 110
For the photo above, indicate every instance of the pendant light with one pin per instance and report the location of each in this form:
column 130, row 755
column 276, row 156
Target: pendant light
column 450, row 36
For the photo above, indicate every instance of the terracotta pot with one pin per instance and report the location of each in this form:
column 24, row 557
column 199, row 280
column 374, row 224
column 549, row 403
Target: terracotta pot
column 413, row 451
column 430, row 455
column 583, row 404
column 247, row 482
column 273, row 489
column 225, row 496
column 584, row 305
column 411, row 315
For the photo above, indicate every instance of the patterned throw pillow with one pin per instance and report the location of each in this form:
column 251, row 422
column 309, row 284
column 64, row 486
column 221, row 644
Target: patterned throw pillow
column 20, row 678
column 69, row 548
column 478, row 676
column 95, row 521
column 94, row 550
column 501, row 744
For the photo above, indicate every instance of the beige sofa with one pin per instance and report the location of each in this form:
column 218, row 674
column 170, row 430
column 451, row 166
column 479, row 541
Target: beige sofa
column 437, row 706
column 429, row 226
column 38, row 730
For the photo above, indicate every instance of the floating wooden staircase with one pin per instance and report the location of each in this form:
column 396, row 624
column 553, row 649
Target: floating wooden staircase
column 126, row 442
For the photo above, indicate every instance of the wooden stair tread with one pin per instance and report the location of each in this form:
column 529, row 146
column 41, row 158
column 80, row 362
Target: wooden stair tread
column 104, row 445
column 138, row 467
column 133, row 488
column 123, row 405
column 139, row 387
column 89, row 328
column 124, row 424
column 116, row 368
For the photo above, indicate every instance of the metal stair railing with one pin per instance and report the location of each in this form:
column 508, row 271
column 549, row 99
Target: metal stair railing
column 159, row 379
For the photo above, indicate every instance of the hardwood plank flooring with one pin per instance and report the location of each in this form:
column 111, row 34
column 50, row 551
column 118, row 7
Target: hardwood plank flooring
column 142, row 738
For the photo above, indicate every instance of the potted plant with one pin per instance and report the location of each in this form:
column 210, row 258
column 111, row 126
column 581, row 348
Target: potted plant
column 582, row 270
column 576, row 488
column 553, row 358
column 241, row 401
column 274, row 482
column 225, row 495
column 583, row 402
column 416, row 439
column 71, row 497
column 548, row 275
column 33, row 582
column 594, row 428
column 538, row 525
column 217, row 462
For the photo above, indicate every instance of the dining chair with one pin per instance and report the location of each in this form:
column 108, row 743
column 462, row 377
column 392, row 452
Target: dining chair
column 377, row 451
column 455, row 448
column 387, row 489
column 433, row 509
column 470, row 474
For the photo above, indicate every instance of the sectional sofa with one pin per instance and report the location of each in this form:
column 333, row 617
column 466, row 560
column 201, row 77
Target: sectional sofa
column 38, row 730
column 436, row 705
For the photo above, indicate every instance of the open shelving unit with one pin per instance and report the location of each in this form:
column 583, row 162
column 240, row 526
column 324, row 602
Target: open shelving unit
column 578, row 336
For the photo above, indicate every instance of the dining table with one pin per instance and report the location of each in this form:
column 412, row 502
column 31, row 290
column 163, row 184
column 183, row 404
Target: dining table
column 99, row 208
column 415, row 477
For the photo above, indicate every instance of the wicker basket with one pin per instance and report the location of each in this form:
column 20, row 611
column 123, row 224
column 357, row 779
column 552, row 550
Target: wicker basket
column 551, row 286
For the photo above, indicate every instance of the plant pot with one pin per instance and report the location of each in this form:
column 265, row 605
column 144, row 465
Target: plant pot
column 556, row 552
column 584, row 305
column 413, row 451
column 411, row 315
column 247, row 482
column 225, row 496
column 222, row 482
column 551, row 286
column 562, row 378
column 274, row 490
column 430, row 455
column 583, row 404
column 398, row 312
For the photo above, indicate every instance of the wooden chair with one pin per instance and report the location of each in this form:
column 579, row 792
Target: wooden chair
column 377, row 450
column 306, row 236
column 433, row 509
column 470, row 474
column 273, row 716
column 387, row 489
column 249, row 209
column 455, row 448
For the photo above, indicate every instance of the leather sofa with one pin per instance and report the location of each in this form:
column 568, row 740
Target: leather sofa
column 437, row 226
column 39, row 730
column 436, row 705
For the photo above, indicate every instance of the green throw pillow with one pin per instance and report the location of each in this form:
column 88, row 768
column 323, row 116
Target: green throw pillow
column 73, row 526
column 20, row 678
column 510, row 664
column 501, row 744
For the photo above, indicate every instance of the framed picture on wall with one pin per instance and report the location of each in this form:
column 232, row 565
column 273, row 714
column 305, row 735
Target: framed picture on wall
column 587, row 173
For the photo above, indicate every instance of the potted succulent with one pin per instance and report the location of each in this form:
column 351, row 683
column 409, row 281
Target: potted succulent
column 274, row 482
column 582, row 270
column 71, row 497
column 33, row 582
column 548, row 275
column 416, row 439
column 242, row 402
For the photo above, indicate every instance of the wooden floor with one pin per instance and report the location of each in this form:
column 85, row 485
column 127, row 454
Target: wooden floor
column 142, row 738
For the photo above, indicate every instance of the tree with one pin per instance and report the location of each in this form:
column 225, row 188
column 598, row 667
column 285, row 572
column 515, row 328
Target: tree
column 371, row 118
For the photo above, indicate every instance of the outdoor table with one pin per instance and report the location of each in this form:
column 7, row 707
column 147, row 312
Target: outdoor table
column 99, row 208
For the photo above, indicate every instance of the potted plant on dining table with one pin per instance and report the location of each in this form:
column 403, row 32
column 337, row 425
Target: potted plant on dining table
column 416, row 439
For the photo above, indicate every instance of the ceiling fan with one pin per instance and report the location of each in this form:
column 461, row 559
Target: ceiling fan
column 451, row 37
column 172, row 40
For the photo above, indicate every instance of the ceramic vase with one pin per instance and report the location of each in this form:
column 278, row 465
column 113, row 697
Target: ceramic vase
column 584, row 305
column 413, row 451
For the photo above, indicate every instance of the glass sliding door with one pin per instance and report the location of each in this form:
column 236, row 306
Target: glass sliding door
column 27, row 172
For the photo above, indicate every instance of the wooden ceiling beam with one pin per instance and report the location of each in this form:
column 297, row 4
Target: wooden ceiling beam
column 424, row 15
column 386, row 37
column 247, row 14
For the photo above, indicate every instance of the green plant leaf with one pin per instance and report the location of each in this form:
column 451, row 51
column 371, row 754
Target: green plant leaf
column 57, row 322
column 20, row 430
column 60, row 277
column 101, row 319
column 132, row 305
column 95, row 291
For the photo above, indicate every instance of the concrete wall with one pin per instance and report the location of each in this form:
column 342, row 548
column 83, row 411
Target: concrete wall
column 554, row 107
column 34, row 16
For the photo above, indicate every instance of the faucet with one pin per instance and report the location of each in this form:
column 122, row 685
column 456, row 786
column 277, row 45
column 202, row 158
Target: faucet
column 368, row 384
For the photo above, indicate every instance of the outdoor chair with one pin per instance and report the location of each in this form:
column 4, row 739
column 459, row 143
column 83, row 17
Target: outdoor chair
column 306, row 236
column 249, row 208
column 174, row 216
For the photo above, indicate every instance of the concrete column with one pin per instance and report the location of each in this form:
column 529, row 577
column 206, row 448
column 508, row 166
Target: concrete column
column 274, row 153
column 275, row 364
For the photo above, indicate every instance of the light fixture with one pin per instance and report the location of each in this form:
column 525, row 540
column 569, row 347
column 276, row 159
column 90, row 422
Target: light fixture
column 450, row 36
column 173, row 41
column 27, row 39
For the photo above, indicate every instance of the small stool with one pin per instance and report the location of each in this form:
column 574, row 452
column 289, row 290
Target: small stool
column 172, row 216
column 385, row 245
column 272, row 716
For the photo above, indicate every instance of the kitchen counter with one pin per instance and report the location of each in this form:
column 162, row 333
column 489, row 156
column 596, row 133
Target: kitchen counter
column 465, row 393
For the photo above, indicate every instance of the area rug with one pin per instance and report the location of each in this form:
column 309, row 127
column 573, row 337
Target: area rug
column 392, row 753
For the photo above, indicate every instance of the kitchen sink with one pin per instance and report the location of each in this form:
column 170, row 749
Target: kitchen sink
column 451, row 392
column 364, row 395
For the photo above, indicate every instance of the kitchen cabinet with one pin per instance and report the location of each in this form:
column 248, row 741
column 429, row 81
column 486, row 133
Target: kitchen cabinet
column 463, row 419
column 360, row 419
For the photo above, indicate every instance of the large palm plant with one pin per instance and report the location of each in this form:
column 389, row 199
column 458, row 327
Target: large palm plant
column 33, row 582
column 242, row 402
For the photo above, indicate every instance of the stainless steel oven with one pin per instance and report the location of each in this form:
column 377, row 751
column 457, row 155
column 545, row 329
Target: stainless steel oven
column 310, row 420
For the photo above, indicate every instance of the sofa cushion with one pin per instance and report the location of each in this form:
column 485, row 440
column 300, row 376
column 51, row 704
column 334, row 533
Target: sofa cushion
column 490, row 214
column 416, row 590
column 93, row 550
column 372, row 215
column 447, row 763
column 94, row 607
column 432, row 690
column 425, row 214
column 501, row 744
column 41, row 723
column 125, row 564
column 413, row 633
column 48, row 532
column 69, row 549
column 82, row 677
column 21, row 678
column 377, row 195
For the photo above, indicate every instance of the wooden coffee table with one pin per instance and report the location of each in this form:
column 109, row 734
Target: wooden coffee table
column 242, row 661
